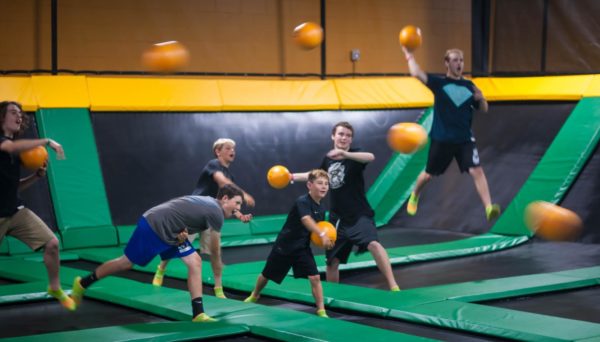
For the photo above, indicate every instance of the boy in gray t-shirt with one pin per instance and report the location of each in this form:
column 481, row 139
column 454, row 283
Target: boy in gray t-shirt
column 163, row 231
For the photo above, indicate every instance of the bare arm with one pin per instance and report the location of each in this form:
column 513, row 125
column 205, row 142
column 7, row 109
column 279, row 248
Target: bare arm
column 215, row 257
column 361, row 157
column 310, row 224
column 299, row 177
column 413, row 67
column 26, row 182
column 221, row 180
column 478, row 96
column 21, row 145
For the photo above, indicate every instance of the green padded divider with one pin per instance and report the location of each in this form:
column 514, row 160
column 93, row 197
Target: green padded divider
column 175, row 304
column 394, row 184
column 76, row 184
column 559, row 166
column 234, row 241
column 23, row 292
column 15, row 246
column 159, row 332
column 508, row 287
column 39, row 256
column 235, row 227
column 124, row 233
column 381, row 302
column 267, row 224
column 4, row 247
column 484, row 243
column 518, row 325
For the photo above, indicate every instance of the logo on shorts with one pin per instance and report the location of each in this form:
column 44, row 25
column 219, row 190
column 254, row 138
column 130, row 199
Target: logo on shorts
column 475, row 156
column 184, row 247
column 337, row 172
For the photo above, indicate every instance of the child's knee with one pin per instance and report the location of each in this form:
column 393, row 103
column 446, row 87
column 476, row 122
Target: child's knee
column 314, row 279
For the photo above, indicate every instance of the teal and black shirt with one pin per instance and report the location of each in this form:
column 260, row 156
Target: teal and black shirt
column 452, row 109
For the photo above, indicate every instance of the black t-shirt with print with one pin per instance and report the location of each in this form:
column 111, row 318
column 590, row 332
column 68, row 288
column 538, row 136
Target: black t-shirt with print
column 347, row 189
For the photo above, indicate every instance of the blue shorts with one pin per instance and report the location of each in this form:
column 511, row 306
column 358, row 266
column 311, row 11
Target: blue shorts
column 144, row 245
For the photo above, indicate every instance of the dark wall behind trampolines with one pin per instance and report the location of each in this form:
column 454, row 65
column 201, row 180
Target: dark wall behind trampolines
column 148, row 158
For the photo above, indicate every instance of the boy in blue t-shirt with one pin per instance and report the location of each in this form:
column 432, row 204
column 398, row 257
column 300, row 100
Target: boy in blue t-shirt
column 455, row 99
column 292, row 246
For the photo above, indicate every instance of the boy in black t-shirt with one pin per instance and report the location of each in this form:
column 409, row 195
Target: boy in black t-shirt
column 455, row 99
column 292, row 247
column 350, row 211
column 16, row 220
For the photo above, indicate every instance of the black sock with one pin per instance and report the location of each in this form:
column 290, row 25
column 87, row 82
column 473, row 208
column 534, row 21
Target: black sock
column 197, row 307
column 89, row 280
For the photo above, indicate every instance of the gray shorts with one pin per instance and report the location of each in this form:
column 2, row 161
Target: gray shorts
column 361, row 234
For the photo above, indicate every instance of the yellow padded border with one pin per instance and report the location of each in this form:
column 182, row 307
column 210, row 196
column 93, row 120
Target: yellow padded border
column 374, row 93
column 189, row 94
column 593, row 90
column 534, row 88
column 153, row 94
column 18, row 89
column 61, row 91
column 278, row 95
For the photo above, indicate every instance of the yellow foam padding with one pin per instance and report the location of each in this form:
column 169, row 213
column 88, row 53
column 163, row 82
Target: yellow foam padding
column 278, row 95
column 534, row 88
column 371, row 93
column 593, row 90
column 61, row 91
column 18, row 89
column 153, row 94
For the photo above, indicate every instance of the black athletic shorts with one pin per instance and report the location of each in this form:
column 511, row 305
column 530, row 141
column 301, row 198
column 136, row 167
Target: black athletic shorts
column 361, row 234
column 278, row 265
column 442, row 153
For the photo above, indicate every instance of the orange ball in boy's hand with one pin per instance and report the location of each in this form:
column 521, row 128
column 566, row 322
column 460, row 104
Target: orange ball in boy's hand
column 329, row 230
column 34, row 158
column 410, row 37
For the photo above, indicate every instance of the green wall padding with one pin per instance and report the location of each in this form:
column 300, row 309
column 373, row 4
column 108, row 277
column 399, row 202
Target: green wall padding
column 76, row 184
column 394, row 184
column 558, row 168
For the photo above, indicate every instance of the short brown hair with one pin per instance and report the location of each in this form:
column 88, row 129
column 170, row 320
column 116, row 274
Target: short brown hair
column 344, row 124
column 317, row 173
column 230, row 191
column 451, row 51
